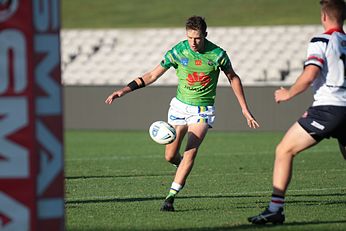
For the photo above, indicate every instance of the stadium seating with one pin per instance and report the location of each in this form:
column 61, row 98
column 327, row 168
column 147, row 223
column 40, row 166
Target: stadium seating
column 269, row 55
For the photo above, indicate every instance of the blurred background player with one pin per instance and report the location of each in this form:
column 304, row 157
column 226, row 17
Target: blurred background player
column 325, row 69
column 198, row 63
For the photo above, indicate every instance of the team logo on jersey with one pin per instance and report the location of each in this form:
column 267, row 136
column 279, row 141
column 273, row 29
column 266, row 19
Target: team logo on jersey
column 201, row 78
column 343, row 43
column 198, row 62
column 184, row 61
column 7, row 9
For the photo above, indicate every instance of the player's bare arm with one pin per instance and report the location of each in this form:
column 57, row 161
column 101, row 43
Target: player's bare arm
column 302, row 83
column 237, row 87
column 147, row 79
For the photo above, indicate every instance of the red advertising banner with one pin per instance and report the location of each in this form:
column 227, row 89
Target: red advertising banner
column 48, row 114
column 18, row 155
column 31, row 130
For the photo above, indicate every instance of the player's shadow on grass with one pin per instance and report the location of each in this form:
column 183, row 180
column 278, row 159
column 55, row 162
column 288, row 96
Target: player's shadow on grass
column 316, row 202
column 139, row 199
column 116, row 176
column 113, row 200
column 308, row 202
column 267, row 226
column 259, row 227
column 236, row 227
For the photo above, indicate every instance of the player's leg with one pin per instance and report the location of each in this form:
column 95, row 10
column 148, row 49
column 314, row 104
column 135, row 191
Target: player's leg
column 172, row 154
column 196, row 134
column 342, row 146
column 341, row 135
column 176, row 117
column 295, row 140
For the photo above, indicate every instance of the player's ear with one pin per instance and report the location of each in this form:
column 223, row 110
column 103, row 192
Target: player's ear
column 323, row 16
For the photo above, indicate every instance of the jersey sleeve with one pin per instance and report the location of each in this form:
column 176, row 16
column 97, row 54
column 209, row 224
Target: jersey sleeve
column 316, row 52
column 169, row 60
column 224, row 61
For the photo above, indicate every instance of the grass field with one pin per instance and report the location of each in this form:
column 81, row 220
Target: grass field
column 118, row 180
column 167, row 13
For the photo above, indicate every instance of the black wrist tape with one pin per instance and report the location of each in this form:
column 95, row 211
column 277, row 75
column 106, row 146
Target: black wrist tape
column 133, row 85
column 142, row 81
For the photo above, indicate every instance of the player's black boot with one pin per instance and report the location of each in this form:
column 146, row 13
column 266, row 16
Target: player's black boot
column 168, row 205
column 268, row 216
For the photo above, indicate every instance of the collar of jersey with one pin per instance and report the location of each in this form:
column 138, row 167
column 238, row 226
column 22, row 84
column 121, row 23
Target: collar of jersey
column 331, row 31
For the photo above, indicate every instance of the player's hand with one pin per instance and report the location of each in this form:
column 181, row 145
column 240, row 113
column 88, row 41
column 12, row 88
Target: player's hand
column 281, row 95
column 251, row 121
column 113, row 96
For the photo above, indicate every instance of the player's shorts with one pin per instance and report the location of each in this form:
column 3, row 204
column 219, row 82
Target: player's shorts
column 325, row 122
column 180, row 113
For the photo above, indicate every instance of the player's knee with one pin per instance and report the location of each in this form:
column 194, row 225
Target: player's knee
column 284, row 151
column 191, row 154
column 170, row 156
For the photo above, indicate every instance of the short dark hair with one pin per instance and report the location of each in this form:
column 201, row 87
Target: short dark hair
column 336, row 9
column 196, row 23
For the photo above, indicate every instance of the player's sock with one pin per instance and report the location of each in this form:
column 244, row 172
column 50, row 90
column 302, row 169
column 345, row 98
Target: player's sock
column 276, row 203
column 175, row 188
column 168, row 203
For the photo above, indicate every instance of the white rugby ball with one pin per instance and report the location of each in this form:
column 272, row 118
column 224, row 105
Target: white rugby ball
column 162, row 132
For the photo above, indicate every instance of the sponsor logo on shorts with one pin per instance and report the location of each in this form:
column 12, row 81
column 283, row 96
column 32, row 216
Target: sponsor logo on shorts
column 172, row 117
column 317, row 125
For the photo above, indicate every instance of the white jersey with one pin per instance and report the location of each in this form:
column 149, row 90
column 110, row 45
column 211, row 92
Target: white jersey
column 328, row 52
